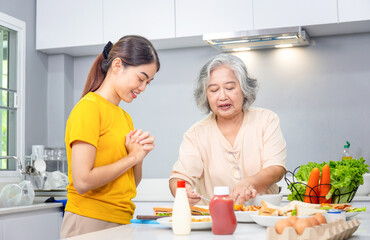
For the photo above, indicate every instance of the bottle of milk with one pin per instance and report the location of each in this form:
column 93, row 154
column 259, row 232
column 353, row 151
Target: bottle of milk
column 181, row 214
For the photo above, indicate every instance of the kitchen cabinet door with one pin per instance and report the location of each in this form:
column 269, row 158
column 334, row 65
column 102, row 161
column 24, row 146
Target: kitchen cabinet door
column 287, row 13
column 68, row 23
column 151, row 19
column 193, row 17
column 350, row 10
column 35, row 226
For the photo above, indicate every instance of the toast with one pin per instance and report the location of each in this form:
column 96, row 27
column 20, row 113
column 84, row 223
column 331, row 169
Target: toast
column 197, row 210
column 301, row 208
column 268, row 209
column 293, row 205
column 167, row 211
column 162, row 211
column 308, row 211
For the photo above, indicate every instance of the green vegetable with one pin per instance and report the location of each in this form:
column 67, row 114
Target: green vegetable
column 294, row 212
column 164, row 214
column 345, row 176
column 358, row 210
column 325, row 208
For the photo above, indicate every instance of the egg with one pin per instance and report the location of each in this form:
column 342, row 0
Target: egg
column 301, row 224
column 292, row 219
column 320, row 218
column 314, row 221
column 281, row 224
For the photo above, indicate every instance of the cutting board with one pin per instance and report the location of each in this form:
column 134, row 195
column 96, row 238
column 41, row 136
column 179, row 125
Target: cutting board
column 148, row 217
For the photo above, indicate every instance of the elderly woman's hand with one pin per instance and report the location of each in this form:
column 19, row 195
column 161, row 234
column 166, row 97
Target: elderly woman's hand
column 193, row 197
column 243, row 191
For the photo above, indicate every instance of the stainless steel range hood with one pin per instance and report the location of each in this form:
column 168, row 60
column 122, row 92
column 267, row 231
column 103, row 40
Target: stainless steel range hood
column 258, row 39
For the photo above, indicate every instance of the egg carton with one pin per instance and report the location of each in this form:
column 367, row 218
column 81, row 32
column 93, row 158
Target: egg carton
column 337, row 230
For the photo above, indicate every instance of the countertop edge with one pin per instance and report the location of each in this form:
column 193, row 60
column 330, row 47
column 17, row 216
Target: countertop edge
column 33, row 207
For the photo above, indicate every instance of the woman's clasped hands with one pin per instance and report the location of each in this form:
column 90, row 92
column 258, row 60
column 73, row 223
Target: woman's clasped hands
column 139, row 143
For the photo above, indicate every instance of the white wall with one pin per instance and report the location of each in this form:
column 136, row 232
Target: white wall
column 59, row 97
column 320, row 92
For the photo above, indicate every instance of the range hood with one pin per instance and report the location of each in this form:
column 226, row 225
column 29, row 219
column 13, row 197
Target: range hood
column 258, row 39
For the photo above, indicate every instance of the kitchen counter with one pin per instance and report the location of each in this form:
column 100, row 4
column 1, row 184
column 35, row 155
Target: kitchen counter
column 243, row 231
column 28, row 208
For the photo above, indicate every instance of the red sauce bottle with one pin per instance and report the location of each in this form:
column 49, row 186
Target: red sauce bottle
column 221, row 209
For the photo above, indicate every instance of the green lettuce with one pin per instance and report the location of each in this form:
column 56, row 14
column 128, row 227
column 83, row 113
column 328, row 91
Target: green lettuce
column 345, row 177
column 363, row 209
column 294, row 212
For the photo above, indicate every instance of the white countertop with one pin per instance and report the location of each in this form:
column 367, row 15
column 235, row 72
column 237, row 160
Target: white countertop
column 33, row 207
column 156, row 231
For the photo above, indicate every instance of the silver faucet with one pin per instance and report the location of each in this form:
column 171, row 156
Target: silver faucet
column 19, row 163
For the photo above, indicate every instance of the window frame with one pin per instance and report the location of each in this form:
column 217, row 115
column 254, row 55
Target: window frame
column 19, row 27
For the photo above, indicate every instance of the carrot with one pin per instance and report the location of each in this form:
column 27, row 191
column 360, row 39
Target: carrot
column 325, row 184
column 312, row 186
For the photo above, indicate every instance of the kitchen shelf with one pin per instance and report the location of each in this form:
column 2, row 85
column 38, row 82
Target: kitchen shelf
column 52, row 165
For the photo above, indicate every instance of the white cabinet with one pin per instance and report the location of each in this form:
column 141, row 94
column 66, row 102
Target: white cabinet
column 286, row 13
column 151, row 19
column 34, row 225
column 350, row 10
column 83, row 27
column 194, row 17
column 68, row 23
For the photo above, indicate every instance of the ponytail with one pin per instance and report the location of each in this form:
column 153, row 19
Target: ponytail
column 96, row 76
column 133, row 50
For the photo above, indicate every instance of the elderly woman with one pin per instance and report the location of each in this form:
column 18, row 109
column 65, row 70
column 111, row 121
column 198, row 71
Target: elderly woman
column 235, row 145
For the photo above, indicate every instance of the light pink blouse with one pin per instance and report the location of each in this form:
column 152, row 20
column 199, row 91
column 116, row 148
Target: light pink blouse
column 204, row 158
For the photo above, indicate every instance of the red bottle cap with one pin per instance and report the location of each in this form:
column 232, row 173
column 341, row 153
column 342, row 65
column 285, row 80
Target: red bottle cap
column 181, row 184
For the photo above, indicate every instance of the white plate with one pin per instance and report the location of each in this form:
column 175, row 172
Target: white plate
column 351, row 214
column 194, row 225
column 267, row 221
column 244, row 216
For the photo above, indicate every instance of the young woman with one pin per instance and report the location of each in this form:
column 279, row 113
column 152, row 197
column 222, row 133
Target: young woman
column 105, row 152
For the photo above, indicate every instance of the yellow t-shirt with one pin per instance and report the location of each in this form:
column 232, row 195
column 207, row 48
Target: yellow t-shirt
column 97, row 121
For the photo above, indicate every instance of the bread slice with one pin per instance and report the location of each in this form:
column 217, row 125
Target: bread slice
column 269, row 205
column 197, row 210
column 268, row 209
column 308, row 211
column 292, row 205
column 162, row 211
column 167, row 211
column 268, row 212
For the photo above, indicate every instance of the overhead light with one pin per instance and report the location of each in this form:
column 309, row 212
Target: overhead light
column 241, row 49
column 284, row 45
column 258, row 39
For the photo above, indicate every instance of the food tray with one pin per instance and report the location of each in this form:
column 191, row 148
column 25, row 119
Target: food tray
column 341, row 197
column 337, row 230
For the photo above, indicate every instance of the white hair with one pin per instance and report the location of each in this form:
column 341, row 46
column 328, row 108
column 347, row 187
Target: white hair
column 248, row 85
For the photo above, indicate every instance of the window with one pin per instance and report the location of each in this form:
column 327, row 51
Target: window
column 7, row 108
column 12, row 82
